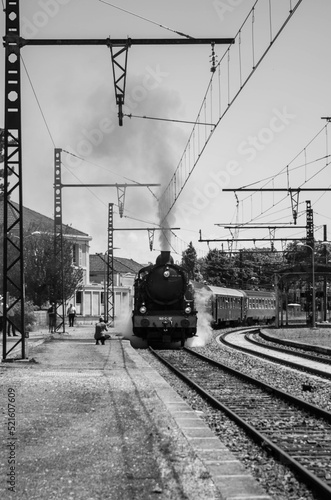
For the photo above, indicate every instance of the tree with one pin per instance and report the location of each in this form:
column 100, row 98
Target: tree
column 246, row 269
column 43, row 276
column 257, row 267
column 218, row 268
column 189, row 261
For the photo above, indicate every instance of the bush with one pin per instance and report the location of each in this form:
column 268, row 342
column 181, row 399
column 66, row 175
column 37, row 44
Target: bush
column 29, row 315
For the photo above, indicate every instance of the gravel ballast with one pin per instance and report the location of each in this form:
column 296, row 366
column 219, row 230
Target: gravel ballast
column 277, row 480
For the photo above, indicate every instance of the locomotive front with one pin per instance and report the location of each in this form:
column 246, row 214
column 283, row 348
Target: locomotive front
column 164, row 309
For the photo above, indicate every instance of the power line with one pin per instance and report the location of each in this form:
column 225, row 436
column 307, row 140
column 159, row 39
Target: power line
column 196, row 144
column 99, row 166
column 39, row 105
column 146, row 19
column 169, row 120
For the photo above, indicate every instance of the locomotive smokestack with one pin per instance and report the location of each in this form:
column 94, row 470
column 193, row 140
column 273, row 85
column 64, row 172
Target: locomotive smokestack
column 164, row 258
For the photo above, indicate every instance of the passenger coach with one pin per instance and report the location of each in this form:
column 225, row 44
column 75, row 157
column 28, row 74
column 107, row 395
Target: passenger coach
column 229, row 306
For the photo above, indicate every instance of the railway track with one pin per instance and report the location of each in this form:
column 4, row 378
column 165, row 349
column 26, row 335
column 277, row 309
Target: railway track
column 245, row 341
column 262, row 340
column 295, row 432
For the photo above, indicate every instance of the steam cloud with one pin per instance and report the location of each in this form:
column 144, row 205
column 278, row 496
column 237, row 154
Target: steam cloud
column 204, row 328
column 143, row 150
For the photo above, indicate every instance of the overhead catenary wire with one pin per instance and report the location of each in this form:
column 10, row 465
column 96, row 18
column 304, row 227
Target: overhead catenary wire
column 169, row 120
column 286, row 170
column 146, row 19
column 274, row 176
column 305, row 164
column 38, row 102
column 100, row 166
column 180, row 176
column 170, row 196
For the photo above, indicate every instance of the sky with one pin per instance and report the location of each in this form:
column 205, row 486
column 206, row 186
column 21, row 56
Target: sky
column 271, row 136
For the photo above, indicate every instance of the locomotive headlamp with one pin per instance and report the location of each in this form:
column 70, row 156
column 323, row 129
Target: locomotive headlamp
column 166, row 273
column 143, row 309
column 187, row 310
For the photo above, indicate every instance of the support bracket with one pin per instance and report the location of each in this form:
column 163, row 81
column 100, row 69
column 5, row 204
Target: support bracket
column 119, row 59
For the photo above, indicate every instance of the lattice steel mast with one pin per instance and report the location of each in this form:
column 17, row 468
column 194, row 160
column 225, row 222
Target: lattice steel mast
column 13, row 258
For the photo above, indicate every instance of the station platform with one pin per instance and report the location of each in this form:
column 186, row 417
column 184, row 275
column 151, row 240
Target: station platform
column 86, row 421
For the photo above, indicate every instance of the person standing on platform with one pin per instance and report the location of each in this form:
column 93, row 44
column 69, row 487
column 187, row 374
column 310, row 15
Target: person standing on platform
column 100, row 328
column 71, row 312
column 51, row 318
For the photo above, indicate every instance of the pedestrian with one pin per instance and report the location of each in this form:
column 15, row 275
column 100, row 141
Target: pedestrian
column 100, row 328
column 51, row 318
column 11, row 328
column 71, row 312
column 10, row 325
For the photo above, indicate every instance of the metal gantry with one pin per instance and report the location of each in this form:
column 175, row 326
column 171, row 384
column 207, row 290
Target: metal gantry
column 272, row 229
column 119, row 48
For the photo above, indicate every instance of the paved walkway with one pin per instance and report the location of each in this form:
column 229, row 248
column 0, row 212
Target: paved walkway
column 88, row 426
column 90, row 422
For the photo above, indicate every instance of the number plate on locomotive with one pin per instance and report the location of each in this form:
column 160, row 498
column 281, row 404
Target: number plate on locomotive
column 165, row 318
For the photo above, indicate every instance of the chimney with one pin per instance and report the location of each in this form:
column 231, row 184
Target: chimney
column 164, row 258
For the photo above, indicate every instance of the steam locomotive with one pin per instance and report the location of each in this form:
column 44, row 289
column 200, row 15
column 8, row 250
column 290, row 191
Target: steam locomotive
column 164, row 308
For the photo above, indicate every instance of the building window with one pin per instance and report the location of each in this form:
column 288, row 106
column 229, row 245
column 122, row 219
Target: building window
column 74, row 259
column 78, row 297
